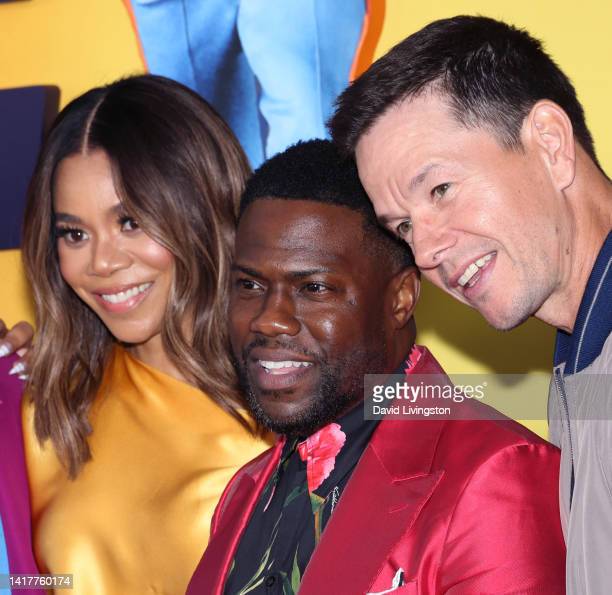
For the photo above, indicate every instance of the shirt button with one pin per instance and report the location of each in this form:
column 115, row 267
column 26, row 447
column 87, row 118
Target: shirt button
column 270, row 581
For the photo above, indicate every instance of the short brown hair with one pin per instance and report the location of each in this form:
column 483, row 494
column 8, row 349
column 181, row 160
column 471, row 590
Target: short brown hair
column 490, row 73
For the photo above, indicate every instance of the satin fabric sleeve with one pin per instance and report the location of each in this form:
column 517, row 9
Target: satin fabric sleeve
column 505, row 534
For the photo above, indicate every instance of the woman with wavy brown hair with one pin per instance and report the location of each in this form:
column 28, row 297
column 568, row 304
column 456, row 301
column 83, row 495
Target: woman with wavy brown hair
column 134, row 424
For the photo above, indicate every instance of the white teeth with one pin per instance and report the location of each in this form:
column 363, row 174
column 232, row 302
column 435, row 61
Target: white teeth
column 469, row 273
column 481, row 261
column 269, row 365
column 122, row 296
column 473, row 269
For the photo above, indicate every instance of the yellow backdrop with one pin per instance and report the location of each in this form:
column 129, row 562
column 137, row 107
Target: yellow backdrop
column 77, row 44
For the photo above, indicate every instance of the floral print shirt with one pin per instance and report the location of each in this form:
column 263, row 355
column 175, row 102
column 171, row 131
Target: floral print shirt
column 296, row 505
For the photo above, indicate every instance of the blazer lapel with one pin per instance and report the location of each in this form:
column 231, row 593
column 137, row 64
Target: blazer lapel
column 378, row 507
column 386, row 494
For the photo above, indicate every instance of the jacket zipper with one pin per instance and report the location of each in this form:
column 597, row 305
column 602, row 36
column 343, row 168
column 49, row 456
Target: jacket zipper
column 561, row 390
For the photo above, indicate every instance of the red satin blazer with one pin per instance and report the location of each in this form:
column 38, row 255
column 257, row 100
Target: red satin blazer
column 461, row 507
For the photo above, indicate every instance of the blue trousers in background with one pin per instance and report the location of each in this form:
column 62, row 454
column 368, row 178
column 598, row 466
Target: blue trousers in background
column 271, row 68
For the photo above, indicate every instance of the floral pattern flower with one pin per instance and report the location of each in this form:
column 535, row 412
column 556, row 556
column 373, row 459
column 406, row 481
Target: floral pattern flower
column 319, row 452
column 413, row 357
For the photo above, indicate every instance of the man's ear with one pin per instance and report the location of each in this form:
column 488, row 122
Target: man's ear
column 404, row 288
column 549, row 130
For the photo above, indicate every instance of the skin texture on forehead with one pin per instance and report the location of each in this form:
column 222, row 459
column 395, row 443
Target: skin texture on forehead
column 303, row 288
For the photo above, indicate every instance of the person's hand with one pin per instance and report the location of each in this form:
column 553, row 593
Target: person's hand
column 17, row 340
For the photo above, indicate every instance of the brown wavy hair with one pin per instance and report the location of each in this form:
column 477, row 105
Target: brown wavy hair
column 179, row 170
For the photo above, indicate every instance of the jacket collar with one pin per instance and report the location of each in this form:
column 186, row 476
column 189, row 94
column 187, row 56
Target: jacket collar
column 594, row 319
column 425, row 433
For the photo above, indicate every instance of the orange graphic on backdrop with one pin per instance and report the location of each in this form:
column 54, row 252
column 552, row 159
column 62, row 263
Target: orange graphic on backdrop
column 370, row 34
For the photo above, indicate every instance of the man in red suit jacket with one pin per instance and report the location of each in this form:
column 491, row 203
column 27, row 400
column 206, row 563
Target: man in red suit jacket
column 344, row 505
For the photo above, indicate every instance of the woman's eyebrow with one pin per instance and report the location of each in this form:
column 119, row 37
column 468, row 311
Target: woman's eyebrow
column 67, row 218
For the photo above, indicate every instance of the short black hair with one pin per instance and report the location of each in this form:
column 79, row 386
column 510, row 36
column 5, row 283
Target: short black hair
column 316, row 171
column 491, row 74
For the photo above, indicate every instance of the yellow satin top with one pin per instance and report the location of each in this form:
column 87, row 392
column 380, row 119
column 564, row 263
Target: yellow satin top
column 136, row 519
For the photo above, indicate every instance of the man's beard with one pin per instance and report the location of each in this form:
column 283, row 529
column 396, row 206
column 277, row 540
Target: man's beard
column 334, row 395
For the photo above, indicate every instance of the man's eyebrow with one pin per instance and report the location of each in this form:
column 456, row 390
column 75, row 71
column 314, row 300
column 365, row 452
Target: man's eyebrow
column 386, row 219
column 309, row 272
column 293, row 274
column 413, row 184
column 420, row 177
